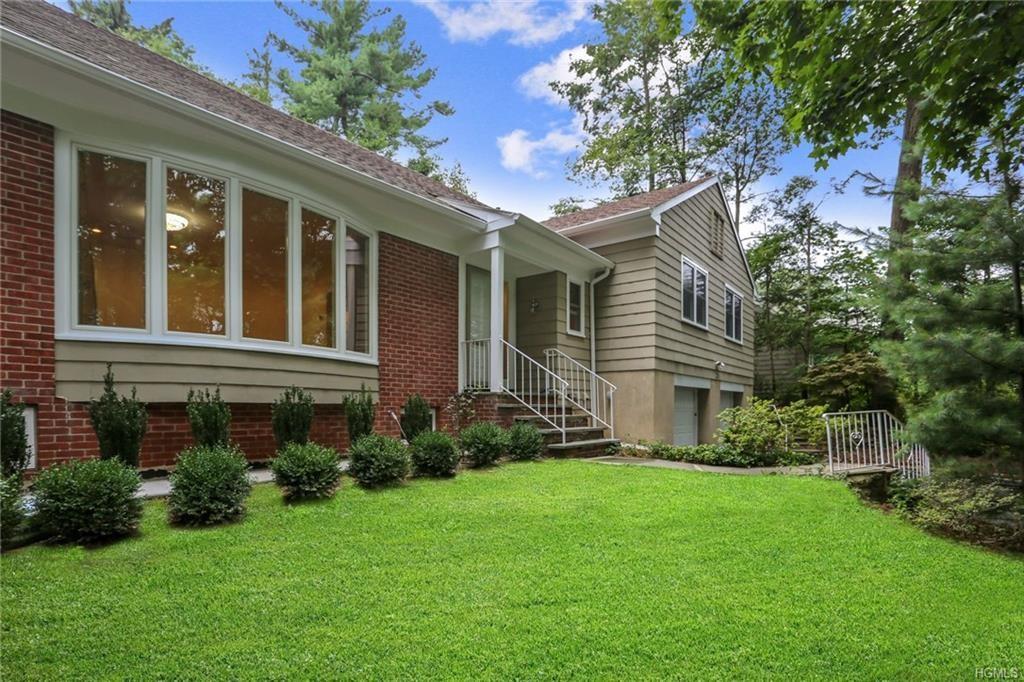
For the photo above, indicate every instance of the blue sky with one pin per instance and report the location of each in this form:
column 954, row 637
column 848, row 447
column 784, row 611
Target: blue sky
column 493, row 59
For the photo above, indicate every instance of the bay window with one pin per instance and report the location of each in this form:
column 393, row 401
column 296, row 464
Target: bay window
column 160, row 250
column 695, row 293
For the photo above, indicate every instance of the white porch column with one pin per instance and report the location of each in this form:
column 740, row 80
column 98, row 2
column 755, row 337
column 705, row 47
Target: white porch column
column 497, row 316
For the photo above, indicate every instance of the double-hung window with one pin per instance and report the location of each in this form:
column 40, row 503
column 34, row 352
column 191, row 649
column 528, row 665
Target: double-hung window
column 695, row 293
column 165, row 251
column 574, row 308
column 733, row 315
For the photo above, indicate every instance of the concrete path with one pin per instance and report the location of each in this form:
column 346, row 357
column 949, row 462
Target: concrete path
column 807, row 470
column 161, row 487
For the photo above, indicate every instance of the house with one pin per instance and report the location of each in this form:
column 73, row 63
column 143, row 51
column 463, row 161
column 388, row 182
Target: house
column 675, row 318
column 160, row 221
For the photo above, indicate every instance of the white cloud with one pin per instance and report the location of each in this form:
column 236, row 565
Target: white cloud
column 521, row 154
column 526, row 22
column 535, row 83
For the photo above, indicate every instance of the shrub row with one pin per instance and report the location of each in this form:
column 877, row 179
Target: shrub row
column 720, row 454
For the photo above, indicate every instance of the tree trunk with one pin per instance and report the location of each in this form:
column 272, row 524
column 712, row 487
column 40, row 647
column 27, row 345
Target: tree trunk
column 908, row 174
column 736, row 203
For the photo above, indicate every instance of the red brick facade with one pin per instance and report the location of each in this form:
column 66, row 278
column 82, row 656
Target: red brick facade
column 418, row 324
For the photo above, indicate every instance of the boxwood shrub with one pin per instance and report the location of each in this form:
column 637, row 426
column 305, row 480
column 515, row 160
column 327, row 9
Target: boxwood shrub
column 307, row 471
column 12, row 509
column 483, row 443
column 209, row 485
column 88, row 501
column 525, row 441
column 378, row 460
column 435, row 453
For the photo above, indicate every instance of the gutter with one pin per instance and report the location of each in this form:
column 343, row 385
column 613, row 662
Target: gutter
column 593, row 320
column 86, row 68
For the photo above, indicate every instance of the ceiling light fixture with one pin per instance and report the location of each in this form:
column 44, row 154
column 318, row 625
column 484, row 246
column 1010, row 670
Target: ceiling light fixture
column 176, row 222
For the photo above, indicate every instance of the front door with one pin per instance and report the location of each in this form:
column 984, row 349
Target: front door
column 684, row 424
column 478, row 323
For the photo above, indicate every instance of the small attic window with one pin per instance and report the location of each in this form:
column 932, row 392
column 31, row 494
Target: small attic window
column 718, row 236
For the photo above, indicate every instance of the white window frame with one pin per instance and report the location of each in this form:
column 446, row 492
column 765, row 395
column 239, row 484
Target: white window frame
column 683, row 262
column 737, row 296
column 582, row 331
column 30, row 415
column 155, row 331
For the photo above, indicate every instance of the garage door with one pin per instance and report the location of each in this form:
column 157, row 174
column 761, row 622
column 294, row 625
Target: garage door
column 684, row 431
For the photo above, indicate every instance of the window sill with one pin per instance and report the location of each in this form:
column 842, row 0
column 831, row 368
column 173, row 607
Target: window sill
column 738, row 342
column 198, row 342
column 702, row 327
column 572, row 332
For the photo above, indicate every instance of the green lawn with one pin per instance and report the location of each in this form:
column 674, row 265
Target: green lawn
column 555, row 569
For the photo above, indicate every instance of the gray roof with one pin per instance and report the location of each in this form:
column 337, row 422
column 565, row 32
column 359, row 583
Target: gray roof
column 67, row 33
column 629, row 204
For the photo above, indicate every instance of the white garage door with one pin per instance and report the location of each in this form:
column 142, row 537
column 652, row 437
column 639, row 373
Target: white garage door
column 684, row 431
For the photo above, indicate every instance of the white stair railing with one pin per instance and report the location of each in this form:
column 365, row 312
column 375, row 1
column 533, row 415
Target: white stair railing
column 477, row 364
column 873, row 438
column 585, row 389
column 535, row 386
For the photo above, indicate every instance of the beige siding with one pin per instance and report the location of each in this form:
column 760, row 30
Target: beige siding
column 164, row 373
column 546, row 326
column 683, row 348
column 627, row 307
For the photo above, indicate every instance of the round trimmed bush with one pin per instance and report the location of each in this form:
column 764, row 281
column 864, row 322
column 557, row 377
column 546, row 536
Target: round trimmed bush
column 484, row 443
column 435, row 453
column 209, row 485
column 525, row 441
column 307, row 471
column 378, row 460
column 88, row 501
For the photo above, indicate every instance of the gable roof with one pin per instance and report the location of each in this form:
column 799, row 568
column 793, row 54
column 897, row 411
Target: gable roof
column 622, row 206
column 62, row 31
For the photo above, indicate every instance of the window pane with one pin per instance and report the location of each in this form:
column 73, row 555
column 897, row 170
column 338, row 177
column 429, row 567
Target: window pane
column 688, row 291
column 357, row 283
column 729, row 317
column 195, row 253
column 318, row 285
column 701, row 297
column 738, row 313
column 111, row 241
column 264, row 266
column 575, row 307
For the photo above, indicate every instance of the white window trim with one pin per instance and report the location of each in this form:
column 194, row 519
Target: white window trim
column 737, row 295
column 684, row 261
column 582, row 331
column 66, row 259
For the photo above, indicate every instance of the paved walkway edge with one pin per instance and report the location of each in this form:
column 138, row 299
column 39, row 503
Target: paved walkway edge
column 808, row 470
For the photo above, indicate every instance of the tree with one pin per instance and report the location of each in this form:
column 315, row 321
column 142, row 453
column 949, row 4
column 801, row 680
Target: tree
column 257, row 81
column 567, row 205
column 640, row 98
column 453, row 178
column 357, row 81
column 161, row 38
column 962, row 325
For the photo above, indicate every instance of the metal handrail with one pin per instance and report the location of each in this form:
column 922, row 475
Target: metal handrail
column 535, row 386
column 872, row 438
column 587, row 389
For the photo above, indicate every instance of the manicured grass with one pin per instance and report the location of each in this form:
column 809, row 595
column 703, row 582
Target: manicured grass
column 551, row 569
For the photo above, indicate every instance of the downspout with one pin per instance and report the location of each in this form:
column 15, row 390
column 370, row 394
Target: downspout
column 593, row 319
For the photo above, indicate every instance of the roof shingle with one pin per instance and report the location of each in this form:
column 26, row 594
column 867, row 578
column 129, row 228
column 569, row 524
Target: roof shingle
column 621, row 206
column 65, row 32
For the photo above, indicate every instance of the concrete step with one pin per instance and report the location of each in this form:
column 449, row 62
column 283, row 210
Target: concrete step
column 573, row 434
column 571, row 420
column 594, row 447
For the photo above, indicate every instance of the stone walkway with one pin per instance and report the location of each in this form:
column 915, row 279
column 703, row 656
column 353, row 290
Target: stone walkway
column 806, row 470
column 161, row 486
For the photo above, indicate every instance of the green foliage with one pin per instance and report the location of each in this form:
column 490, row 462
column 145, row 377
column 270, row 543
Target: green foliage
column 460, row 409
column 292, row 417
column 14, row 449
column 525, row 441
column 959, row 314
column 454, row 177
column 986, row 513
column 87, row 500
column 161, row 38
column 359, row 413
column 417, row 417
column 853, row 381
column 378, row 460
column 357, row 80
column 435, row 453
column 209, row 485
column 209, row 416
column 566, row 206
column 257, row 81
column 770, row 435
column 846, row 69
column 307, row 471
column 119, row 423
column 12, row 507
column 483, row 443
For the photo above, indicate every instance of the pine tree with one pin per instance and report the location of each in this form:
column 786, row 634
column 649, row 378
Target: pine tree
column 358, row 81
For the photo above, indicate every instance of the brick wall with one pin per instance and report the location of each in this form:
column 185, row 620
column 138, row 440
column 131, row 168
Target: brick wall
column 418, row 325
